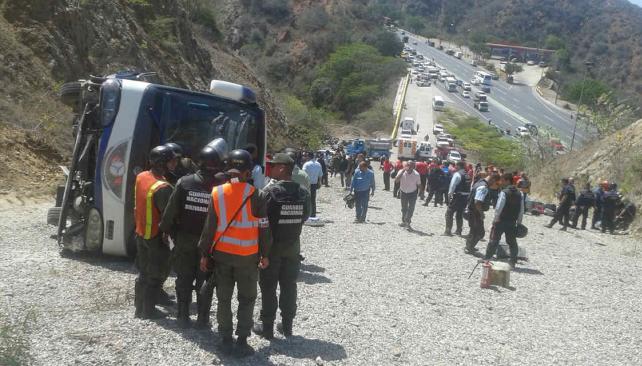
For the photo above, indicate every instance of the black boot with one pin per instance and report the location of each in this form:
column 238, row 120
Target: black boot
column 227, row 345
column 204, row 305
column 285, row 327
column 138, row 298
column 149, row 303
column 242, row 349
column 164, row 298
column 183, row 310
column 264, row 329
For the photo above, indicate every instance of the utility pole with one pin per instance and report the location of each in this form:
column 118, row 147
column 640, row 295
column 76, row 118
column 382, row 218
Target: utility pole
column 588, row 65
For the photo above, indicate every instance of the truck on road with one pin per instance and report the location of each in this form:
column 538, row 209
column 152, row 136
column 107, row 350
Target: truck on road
column 378, row 148
column 356, row 146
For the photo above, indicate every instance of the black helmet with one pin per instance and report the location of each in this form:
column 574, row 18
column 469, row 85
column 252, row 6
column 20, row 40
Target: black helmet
column 240, row 160
column 209, row 159
column 176, row 148
column 521, row 231
column 161, row 155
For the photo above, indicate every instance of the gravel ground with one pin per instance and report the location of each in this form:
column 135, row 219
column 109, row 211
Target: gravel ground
column 370, row 294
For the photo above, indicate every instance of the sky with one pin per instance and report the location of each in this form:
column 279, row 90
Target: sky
column 636, row 2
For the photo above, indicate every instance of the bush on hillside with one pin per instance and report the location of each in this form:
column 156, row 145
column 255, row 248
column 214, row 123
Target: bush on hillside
column 483, row 140
column 387, row 43
column 590, row 90
column 313, row 19
column 353, row 77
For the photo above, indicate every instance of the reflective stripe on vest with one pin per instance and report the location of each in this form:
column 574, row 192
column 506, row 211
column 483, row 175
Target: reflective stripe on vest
column 146, row 215
column 241, row 237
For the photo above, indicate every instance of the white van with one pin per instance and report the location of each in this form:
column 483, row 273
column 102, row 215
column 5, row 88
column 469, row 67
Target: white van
column 424, row 150
column 408, row 126
column 438, row 103
column 406, row 148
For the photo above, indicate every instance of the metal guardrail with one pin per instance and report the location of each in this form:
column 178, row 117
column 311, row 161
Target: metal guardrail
column 400, row 107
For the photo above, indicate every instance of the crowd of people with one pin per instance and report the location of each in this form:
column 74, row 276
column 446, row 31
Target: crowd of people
column 609, row 207
column 224, row 221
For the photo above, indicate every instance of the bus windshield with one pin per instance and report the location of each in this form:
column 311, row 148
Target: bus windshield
column 192, row 120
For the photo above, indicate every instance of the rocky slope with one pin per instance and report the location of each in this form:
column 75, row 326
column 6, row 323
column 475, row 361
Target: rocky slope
column 46, row 43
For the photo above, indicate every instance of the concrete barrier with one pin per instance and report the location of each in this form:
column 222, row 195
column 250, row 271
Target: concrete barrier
column 400, row 105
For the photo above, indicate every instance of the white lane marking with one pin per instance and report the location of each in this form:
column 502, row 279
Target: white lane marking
column 548, row 118
column 530, row 108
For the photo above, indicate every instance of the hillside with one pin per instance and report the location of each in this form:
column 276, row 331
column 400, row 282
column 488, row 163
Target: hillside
column 46, row 43
column 607, row 32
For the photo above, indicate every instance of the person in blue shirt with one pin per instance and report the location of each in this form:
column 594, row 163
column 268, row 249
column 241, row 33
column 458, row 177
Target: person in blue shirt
column 362, row 183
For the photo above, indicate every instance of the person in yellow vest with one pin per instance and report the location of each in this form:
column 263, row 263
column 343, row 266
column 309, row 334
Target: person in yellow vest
column 236, row 235
column 152, row 193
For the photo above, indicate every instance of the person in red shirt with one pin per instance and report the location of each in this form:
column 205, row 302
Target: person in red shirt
column 422, row 168
column 398, row 169
column 516, row 178
column 387, row 168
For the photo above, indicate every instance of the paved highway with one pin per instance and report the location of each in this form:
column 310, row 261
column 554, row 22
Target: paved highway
column 510, row 105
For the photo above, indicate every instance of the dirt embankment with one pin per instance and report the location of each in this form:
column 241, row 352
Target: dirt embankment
column 28, row 167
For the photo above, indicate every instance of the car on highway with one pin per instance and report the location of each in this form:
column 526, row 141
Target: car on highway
column 423, row 83
column 480, row 96
column 530, row 63
column 473, row 63
column 485, row 88
column 542, row 64
column 465, row 94
column 443, row 141
column 438, row 129
column 454, row 156
column 467, row 87
column 494, row 76
column 475, row 81
column 414, row 43
column 523, row 131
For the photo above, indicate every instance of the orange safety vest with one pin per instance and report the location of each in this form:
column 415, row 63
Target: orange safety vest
column 146, row 214
column 242, row 235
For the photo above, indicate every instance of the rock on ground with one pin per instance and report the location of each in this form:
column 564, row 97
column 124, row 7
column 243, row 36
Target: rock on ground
column 369, row 294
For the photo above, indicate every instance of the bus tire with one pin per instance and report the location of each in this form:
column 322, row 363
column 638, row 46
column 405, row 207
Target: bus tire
column 70, row 93
column 53, row 215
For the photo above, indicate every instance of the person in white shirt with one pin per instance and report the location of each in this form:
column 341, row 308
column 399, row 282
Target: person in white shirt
column 315, row 173
column 409, row 182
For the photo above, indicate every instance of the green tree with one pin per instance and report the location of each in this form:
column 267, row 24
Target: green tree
column 554, row 42
column 353, row 77
column 562, row 59
column 590, row 90
column 387, row 43
column 511, row 68
column 415, row 24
